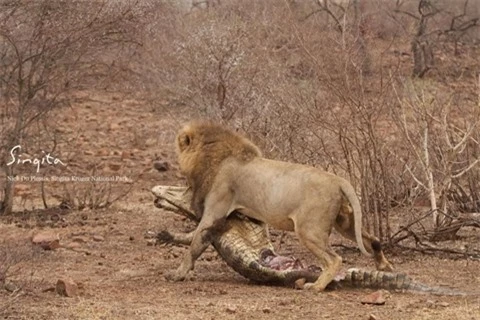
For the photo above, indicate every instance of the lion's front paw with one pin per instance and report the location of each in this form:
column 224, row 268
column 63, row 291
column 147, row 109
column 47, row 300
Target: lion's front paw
column 315, row 286
column 309, row 286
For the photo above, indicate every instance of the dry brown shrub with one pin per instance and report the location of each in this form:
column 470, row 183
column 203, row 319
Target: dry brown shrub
column 309, row 86
column 49, row 51
column 17, row 266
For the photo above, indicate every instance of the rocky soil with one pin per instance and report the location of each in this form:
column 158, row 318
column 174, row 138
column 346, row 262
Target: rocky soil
column 101, row 264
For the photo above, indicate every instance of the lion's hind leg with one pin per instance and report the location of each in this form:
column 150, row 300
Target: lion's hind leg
column 316, row 240
column 344, row 224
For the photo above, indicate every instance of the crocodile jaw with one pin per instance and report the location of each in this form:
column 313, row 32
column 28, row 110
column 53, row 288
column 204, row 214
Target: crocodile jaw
column 175, row 199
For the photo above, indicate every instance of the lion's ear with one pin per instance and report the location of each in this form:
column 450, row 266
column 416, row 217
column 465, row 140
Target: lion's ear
column 184, row 140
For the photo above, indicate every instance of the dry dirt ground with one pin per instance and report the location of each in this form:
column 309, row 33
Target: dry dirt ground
column 120, row 276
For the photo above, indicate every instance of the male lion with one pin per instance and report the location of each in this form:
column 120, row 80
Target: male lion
column 227, row 172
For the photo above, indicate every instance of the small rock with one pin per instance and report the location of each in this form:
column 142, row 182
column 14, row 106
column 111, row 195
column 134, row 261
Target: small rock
column 88, row 153
column 98, row 238
column 443, row 304
column 266, row 310
column 103, row 152
column 47, row 240
column 150, row 234
column 66, row 288
column 10, row 286
column 376, row 298
column 161, row 166
column 151, row 242
column 73, row 245
column 126, row 155
column 231, row 309
column 372, row 317
column 150, row 142
column 300, row 283
column 80, row 239
column 114, row 166
column 114, row 126
column 430, row 303
column 131, row 238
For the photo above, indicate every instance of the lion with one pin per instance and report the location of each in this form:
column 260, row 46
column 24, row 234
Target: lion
column 228, row 173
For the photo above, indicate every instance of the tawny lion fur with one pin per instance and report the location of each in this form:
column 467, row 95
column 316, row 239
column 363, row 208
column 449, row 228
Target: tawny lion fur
column 202, row 147
column 227, row 172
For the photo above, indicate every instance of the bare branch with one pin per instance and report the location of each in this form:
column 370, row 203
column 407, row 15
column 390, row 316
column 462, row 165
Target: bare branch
column 461, row 173
column 411, row 15
column 466, row 136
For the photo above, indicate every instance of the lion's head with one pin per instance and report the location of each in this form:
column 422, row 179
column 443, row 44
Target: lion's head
column 201, row 147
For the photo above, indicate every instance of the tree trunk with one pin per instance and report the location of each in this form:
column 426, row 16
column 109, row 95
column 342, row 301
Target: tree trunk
column 421, row 49
column 15, row 139
column 7, row 205
column 360, row 30
column 433, row 199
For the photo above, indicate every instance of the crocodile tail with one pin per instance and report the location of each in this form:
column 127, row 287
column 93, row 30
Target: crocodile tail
column 359, row 278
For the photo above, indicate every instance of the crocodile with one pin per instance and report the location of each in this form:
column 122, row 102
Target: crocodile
column 245, row 246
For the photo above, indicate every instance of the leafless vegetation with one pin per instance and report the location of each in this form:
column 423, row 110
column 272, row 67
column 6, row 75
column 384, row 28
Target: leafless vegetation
column 382, row 92
column 15, row 270
column 49, row 50
column 11, row 259
column 94, row 194
column 385, row 93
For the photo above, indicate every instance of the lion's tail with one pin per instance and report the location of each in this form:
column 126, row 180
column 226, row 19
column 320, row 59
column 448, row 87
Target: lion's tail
column 352, row 197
